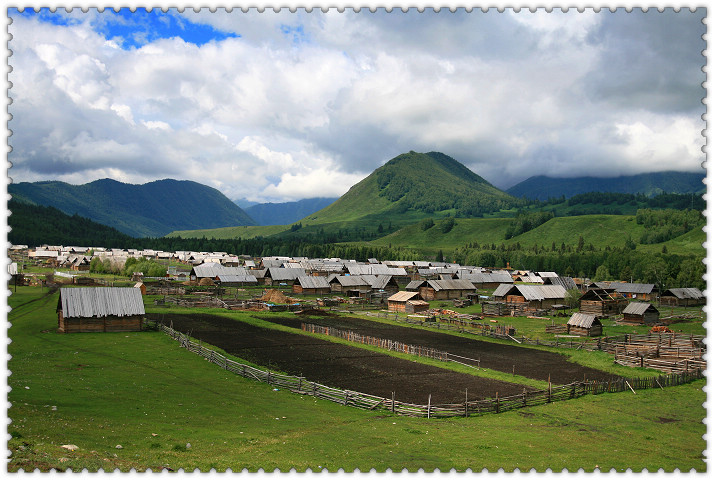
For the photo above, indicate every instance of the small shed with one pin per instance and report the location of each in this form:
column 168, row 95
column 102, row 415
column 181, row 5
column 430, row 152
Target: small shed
column 398, row 302
column 141, row 287
column 640, row 313
column 585, row 325
column 100, row 309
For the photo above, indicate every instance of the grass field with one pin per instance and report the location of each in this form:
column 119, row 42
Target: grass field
column 143, row 392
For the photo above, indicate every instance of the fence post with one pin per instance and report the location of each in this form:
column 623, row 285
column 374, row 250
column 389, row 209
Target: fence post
column 428, row 407
column 498, row 409
column 466, row 404
column 392, row 402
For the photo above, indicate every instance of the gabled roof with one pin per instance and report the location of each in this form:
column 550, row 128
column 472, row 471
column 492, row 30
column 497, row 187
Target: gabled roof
column 566, row 282
column 623, row 287
column 279, row 274
column 458, row 284
column 639, row 308
column 310, row 281
column 237, row 279
column 403, row 296
column 415, row 284
column 683, row 293
column 100, row 302
column 213, row 269
column 583, row 320
column 351, row 281
column 532, row 292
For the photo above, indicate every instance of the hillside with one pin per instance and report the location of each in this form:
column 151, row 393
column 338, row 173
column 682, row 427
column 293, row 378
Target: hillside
column 150, row 210
column 542, row 187
column 287, row 212
column 429, row 184
column 35, row 225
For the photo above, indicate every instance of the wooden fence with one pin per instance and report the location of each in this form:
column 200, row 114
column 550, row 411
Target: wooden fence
column 391, row 345
column 467, row 408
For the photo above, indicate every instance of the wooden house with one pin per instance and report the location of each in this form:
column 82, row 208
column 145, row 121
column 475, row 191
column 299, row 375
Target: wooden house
column 487, row 280
column 441, row 289
column 682, row 297
column 283, row 276
column 638, row 291
column 349, row 285
column 602, row 302
column 100, row 309
column 585, row 325
column 640, row 313
column 535, row 297
column 311, row 285
column 408, row 302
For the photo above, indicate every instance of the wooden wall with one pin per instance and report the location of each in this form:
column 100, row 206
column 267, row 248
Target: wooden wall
column 104, row 324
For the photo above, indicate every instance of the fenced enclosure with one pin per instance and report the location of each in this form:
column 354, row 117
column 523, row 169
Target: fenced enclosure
column 302, row 386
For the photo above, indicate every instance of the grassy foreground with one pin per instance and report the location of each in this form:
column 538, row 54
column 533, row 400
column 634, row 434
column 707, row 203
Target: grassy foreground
column 142, row 392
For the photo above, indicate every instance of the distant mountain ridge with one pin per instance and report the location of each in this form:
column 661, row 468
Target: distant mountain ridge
column 542, row 187
column 286, row 213
column 150, row 210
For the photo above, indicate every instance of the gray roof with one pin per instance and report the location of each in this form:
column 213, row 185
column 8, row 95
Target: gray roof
column 584, row 320
column 415, row 284
column 458, row 284
column 352, row 281
column 483, row 277
column 237, row 279
column 565, row 282
column 100, row 302
column 683, row 293
column 623, row 287
column 309, row 281
column 285, row 273
column 532, row 292
column 213, row 270
column 639, row 308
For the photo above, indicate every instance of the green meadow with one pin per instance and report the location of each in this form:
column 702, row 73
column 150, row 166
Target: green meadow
column 139, row 401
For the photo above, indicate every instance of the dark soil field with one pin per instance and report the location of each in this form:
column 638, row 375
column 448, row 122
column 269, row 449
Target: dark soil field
column 528, row 362
column 338, row 365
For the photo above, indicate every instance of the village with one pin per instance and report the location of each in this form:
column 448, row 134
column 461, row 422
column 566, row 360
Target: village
column 520, row 306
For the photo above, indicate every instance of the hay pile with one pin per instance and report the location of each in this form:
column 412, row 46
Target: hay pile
column 206, row 282
column 277, row 297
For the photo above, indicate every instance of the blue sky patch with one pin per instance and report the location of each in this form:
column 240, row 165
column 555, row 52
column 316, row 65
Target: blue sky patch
column 132, row 29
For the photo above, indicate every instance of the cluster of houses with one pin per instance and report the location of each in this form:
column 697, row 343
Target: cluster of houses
column 405, row 286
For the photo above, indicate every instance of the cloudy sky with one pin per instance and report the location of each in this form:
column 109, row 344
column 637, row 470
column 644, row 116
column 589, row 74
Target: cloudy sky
column 283, row 106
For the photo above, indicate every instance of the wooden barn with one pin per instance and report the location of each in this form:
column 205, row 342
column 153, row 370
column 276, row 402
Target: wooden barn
column 350, row 285
column 585, row 325
column 639, row 291
column 311, row 285
column 536, row 297
column 682, row 297
column 279, row 276
column 640, row 313
column 602, row 302
column 408, row 302
column 100, row 309
column 441, row 289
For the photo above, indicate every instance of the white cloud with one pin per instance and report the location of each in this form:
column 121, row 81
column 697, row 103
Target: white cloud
column 305, row 105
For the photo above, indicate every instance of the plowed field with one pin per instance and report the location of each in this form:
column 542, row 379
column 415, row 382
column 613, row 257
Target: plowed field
column 338, row 365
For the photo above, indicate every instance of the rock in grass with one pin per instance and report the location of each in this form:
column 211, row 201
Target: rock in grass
column 71, row 448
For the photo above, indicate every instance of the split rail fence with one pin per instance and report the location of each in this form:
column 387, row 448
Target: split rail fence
column 467, row 408
column 391, row 345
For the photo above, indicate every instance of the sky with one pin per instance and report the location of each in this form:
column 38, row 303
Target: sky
column 280, row 106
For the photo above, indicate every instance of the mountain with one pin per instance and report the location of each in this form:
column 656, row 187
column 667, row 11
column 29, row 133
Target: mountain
column 36, row 225
column 543, row 188
column 287, row 212
column 150, row 210
column 416, row 185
